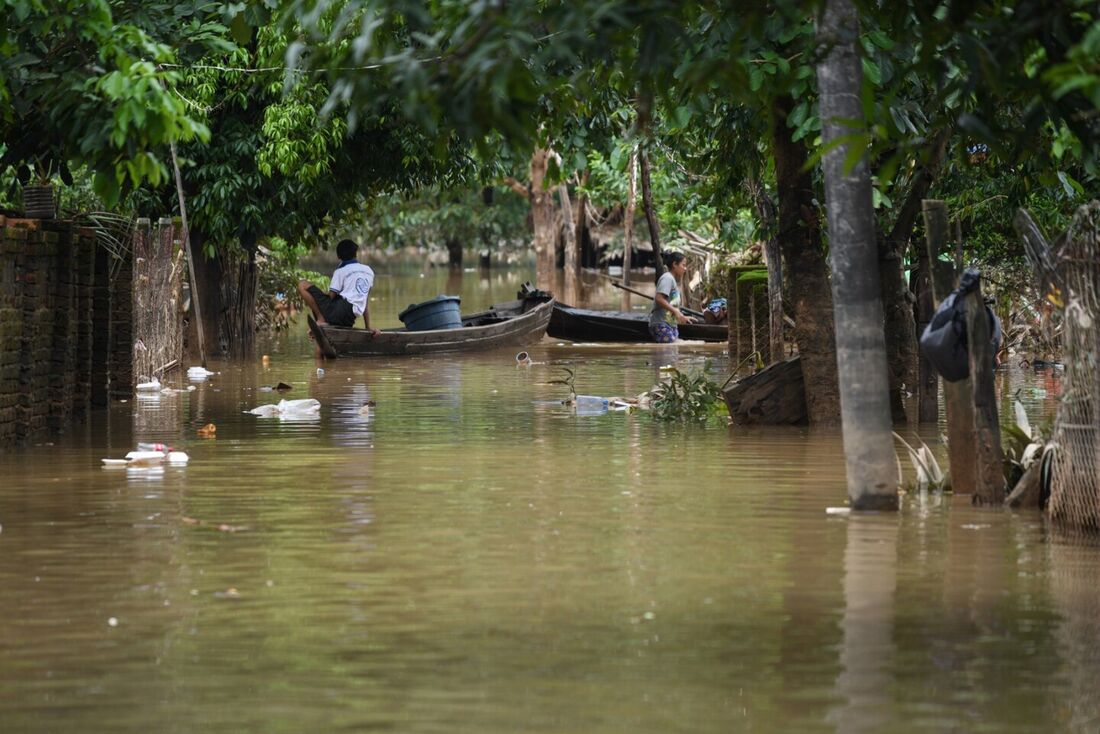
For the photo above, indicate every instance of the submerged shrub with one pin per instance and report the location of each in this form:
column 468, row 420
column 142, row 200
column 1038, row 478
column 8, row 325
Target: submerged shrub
column 686, row 397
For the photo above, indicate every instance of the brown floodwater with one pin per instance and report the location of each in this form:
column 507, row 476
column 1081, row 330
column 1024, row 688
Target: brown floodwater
column 474, row 557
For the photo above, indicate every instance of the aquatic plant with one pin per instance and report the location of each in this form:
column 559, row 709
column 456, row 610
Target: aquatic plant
column 929, row 474
column 568, row 382
column 1022, row 445
column 686, row 397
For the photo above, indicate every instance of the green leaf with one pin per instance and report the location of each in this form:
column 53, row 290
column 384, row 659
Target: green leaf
column 240, row 28
column 871, row 71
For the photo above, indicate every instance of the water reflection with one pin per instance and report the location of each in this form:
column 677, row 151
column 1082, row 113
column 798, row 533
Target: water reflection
column 867, row 645
column 1077, row 600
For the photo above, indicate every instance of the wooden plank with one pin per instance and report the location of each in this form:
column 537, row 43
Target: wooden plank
column 775, row 395
column 987, row 430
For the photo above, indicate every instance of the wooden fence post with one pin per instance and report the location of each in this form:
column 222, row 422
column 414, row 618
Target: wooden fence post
column 957, row 396
column 987, row 430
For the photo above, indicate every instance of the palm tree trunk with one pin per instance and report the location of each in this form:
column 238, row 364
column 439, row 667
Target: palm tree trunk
column 857, row 300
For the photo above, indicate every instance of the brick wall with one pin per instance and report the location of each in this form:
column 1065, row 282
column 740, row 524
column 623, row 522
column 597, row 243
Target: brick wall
column 64, row 318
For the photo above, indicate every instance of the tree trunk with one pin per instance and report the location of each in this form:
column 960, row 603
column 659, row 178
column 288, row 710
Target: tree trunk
column 569, row 233
column 454, row 252
column 650, row 212
column 628, row 223
column 208, row 289
column 580, row 228
column 897, row 301
column 240, row 317
column 857, row 302
column 544, row 220
column 799, row 238
column 765, row 212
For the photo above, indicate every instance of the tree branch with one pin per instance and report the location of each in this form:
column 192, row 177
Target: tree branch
column 521, row 189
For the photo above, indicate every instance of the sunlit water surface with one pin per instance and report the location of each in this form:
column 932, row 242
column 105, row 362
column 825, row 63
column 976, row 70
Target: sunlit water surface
column 473, row 557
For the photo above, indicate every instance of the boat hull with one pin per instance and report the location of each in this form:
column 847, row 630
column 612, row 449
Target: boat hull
column 583, row 325
column 512, row 324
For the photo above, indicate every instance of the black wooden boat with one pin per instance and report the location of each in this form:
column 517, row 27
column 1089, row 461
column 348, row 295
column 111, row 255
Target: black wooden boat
column 583, row 325
column 512, row 324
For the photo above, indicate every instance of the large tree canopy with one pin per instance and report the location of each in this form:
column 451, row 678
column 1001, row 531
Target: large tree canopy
column 93, row 83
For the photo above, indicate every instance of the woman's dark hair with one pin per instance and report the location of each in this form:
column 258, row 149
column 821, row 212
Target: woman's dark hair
column 670, row 259
column 346, row 249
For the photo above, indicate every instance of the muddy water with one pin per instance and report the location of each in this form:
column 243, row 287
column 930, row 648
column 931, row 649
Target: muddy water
column 472, row 557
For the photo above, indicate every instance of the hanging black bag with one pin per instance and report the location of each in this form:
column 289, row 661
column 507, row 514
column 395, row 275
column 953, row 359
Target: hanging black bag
column 943, row 342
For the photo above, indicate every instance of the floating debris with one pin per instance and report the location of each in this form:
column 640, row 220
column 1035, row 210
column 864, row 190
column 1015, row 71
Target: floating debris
column 199, row 373
column 303, row 407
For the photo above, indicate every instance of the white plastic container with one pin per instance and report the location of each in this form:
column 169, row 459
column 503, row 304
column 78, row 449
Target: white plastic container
column 145, row 457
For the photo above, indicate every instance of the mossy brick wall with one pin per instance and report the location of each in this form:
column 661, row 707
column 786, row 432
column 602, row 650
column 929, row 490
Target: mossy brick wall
column 748, row 307
column 48, row 334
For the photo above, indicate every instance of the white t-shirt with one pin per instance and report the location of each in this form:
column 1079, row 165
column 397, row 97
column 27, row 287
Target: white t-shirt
column 353, row 281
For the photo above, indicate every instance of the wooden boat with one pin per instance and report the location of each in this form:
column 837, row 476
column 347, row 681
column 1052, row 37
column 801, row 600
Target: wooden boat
column 512, row 324
column 582, row 325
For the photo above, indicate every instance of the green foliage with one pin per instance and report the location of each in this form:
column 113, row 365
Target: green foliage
column 277, row 290
column 431, row 216
column 689, row 398
column 276, row 165
column 94, row 83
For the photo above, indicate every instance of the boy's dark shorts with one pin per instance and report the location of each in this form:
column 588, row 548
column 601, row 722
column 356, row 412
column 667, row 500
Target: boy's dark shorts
column 337, row 311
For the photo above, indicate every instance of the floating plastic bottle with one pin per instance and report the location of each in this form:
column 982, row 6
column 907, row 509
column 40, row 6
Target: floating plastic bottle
column 591, row 405
column 163, row 448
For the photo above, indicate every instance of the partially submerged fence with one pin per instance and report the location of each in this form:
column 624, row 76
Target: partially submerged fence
column 159, row 266
column 1075, row 475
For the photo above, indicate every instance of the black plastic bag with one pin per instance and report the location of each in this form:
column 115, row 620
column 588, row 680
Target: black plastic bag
column 943, row 342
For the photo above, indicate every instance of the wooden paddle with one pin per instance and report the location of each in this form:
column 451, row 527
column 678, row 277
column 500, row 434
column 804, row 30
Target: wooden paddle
column 628, row 289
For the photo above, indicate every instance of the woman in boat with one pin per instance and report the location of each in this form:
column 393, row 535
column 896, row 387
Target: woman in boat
column 665, row 318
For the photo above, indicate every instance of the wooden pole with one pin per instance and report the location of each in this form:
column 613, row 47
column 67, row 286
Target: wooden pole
column 928, row 383
column 958, row 403
column 195, row 300
column 987, row 429
column 688, row 311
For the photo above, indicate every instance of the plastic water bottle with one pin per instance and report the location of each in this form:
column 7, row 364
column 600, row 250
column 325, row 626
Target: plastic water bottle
column 163, row 448
column 591, row 405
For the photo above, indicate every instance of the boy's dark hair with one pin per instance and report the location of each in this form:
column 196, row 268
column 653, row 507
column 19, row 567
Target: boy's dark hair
column 346, row 249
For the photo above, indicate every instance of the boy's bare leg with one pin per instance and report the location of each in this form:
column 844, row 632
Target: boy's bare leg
column 303, row 291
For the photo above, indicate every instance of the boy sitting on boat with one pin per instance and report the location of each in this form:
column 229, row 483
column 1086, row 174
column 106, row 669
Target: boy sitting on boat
column 349, row 291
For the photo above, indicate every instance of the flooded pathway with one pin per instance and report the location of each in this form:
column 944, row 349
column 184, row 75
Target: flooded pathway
column 471, row 557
